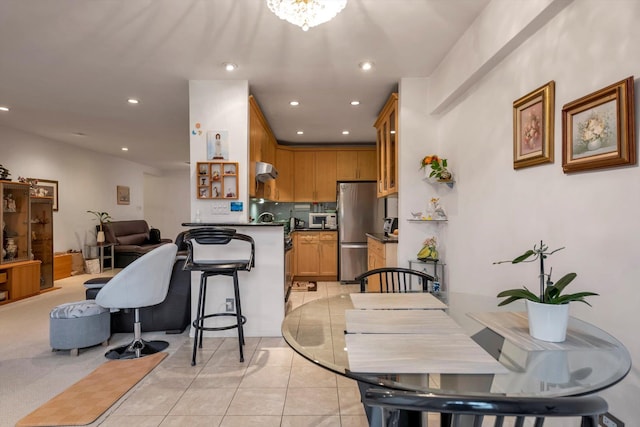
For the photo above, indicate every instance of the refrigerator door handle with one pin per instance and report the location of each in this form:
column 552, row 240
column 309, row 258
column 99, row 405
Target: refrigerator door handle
column 353, row 245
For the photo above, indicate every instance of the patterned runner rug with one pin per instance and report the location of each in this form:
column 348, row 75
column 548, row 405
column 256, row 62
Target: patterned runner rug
column 86, row 400
column 304, row 286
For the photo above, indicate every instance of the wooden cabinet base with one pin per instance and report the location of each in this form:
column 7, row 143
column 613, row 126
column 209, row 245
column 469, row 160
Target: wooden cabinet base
column 19, row 280
column 61, row 266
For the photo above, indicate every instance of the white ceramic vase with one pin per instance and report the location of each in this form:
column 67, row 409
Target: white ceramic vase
column 100, row 237
column 548, row 322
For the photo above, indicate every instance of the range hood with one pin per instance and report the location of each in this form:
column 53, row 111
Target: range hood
column 265, row 172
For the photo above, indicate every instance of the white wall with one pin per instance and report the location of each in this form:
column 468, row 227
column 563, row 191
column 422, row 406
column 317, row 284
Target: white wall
column 497, row 213
column 222, row 106
column 166, row 201
column 86, row 181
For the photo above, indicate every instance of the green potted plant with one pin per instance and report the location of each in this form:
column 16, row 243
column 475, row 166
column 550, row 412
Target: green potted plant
column 438, row 167
column 550, row 304
column 102, row 217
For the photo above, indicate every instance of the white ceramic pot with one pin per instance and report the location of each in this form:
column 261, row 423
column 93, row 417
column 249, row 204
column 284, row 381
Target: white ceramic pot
column 548, row 322
column 100, row 237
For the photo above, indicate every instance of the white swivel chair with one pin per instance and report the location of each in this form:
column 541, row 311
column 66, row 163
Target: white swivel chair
column 142, row 283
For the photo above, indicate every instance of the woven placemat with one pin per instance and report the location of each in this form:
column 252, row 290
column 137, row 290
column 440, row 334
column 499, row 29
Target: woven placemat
column 86, row 400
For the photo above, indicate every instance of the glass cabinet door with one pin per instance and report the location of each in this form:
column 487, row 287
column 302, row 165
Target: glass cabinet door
column 16, row 241
column 42, row 237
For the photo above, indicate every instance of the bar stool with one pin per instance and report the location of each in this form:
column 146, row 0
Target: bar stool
column 217, row 267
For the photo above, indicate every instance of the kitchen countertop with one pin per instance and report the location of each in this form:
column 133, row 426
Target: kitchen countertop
column 232, row 224
column 315, row 229
column 380, row 237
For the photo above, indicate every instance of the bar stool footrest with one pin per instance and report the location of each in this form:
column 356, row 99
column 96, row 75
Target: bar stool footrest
column 196, row 322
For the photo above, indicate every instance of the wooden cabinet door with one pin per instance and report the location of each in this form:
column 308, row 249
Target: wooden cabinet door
column 366, row 165
column 375, row 256
column 307, row 255
column 325, row 176
column 284, row 182
column 304, row 176
column 328, row 253
column 387, row 147
column 347, row 165
column 24, row 280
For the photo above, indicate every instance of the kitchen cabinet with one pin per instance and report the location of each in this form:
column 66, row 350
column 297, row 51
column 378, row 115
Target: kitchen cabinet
column 217, row 180
column 314, row 174
column 316, row 254
column 42, row 237
column 262, row 148
column 282, row 188
column 387, row 147
column 380, row 255
column 356, row 165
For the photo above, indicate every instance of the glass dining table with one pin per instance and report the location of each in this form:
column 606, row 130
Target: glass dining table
column 588, row 361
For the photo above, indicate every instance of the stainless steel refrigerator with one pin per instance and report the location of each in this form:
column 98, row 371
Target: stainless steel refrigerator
column 359, row 212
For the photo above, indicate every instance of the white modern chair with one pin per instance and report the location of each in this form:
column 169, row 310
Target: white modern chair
column 142, row 283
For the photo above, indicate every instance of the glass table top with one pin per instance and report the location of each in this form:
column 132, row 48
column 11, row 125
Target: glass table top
column 316, row 330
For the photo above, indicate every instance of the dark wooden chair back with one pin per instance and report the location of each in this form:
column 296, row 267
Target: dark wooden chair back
column 394, row 279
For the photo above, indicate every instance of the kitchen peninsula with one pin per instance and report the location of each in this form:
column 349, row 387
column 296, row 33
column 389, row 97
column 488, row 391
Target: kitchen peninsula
column 261, row 289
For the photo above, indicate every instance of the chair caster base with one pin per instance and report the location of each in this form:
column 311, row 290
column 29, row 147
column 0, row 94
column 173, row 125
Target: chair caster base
column 138, row 348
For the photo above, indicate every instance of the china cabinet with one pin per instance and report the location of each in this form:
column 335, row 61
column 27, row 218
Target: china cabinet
column 16, row 239
column 387, row 147
column 42, row 237
column 217, row 180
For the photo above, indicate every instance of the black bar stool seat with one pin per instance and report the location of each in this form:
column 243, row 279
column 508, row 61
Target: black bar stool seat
column 217, row 267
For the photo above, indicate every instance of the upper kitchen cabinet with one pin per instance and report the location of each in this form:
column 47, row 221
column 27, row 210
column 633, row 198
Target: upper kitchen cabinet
column 314, row 175
column 356, row 165
column 262, row 148
column 284, row 183
column 387, row 147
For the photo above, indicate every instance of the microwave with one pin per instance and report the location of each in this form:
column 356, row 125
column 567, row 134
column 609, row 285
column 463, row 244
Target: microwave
column 323, row 220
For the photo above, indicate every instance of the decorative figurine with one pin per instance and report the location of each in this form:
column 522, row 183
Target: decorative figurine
column 436, row 211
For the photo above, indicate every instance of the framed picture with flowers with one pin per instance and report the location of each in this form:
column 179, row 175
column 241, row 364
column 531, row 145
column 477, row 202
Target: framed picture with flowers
column 598, row 130
column 533, row 127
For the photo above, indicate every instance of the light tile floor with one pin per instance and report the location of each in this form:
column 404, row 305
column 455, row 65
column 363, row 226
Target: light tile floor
column 274, row 387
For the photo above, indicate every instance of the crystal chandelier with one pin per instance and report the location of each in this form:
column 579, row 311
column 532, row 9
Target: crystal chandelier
column 306, row 13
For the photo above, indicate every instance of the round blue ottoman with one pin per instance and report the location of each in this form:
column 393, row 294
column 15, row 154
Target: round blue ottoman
column 76, row 325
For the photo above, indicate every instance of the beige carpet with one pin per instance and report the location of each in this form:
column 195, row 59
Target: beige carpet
column 86, row 400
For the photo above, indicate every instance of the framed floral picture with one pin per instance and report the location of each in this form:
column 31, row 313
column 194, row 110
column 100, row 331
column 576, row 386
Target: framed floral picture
column 533, row 127
column 598, row 130
column 122, row 193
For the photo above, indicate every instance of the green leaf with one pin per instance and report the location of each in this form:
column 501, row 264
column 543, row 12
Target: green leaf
column 564, row 281
column 516, row 294
column 523, row 256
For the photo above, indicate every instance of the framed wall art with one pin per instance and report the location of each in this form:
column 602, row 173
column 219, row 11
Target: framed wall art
column 533, row 127
column 46, row 188
column 598, row 130
column 122, row 195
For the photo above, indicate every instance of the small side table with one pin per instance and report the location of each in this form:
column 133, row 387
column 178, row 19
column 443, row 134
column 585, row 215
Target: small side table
column 104, row 252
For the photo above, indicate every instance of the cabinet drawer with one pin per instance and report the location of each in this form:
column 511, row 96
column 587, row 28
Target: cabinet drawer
column 3, row 277
column 329, row 236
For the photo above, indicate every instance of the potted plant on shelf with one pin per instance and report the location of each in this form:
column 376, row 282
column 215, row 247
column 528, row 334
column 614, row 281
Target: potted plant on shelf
column 438, row 168
column 548, row 311
column 102, row 217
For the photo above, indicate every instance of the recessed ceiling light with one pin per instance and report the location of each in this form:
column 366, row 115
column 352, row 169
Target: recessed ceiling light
column 133, row 101
column 229, row 66
column 366, row 66
column 345, row 132
column 300, row 132
column 294, row 103
column 4, row 108
column 124, row 149
column 355, row 102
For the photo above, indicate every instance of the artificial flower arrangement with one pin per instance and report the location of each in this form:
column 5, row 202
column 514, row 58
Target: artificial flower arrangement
column 438, row 167
column 429, row 250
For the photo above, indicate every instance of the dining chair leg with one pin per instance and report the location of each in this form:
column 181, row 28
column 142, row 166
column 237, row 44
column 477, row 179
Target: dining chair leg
column 236, row 290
